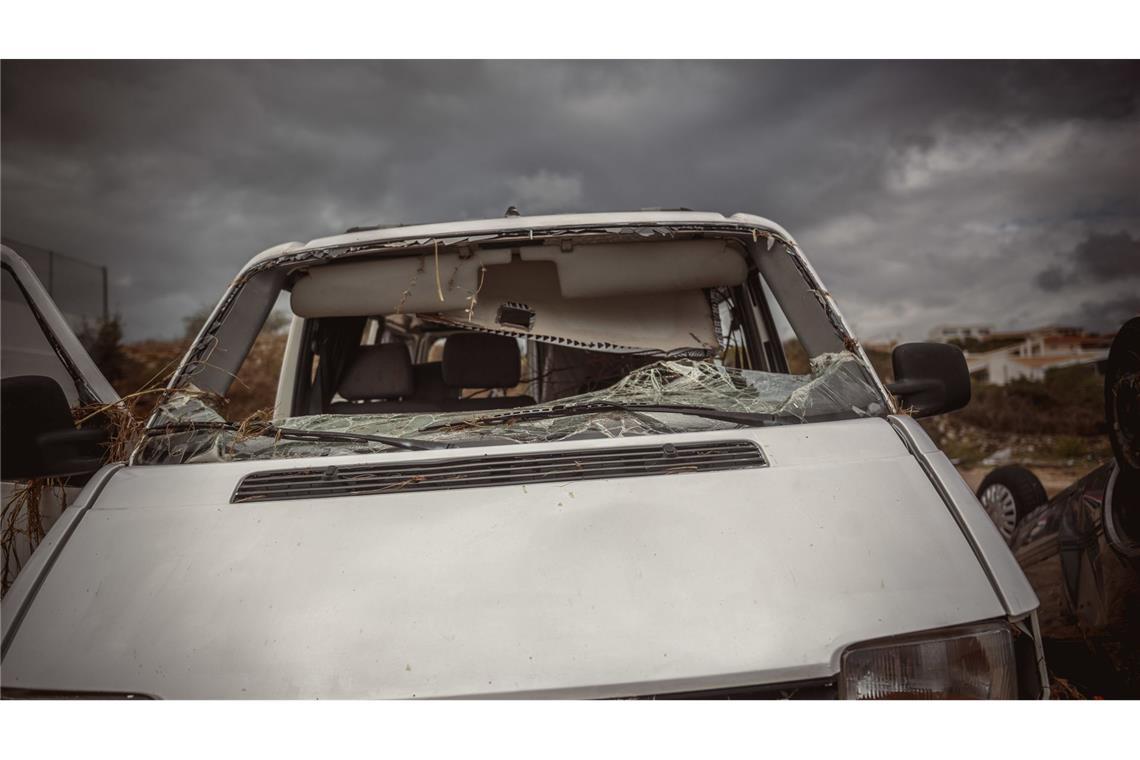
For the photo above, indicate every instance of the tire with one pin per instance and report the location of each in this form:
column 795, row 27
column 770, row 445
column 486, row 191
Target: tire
column 1008, row 494
column 1122, row 396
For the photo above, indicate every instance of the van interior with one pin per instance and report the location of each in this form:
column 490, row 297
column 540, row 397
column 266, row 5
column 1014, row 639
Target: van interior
column 503, row 328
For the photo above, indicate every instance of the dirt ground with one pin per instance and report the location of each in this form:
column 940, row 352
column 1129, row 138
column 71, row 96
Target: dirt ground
column 1055, row 478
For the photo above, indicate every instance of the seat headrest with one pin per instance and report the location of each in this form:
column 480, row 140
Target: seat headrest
column 429, row 383
column 380, row 371
column 480, row 360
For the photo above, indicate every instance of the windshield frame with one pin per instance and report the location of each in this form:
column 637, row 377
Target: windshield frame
column 234, row 324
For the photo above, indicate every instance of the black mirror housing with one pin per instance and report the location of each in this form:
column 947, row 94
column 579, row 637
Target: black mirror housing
column 930, row 378
column 39, row 438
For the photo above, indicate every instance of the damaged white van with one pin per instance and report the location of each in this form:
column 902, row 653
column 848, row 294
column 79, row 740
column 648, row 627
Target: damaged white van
column 550, row 456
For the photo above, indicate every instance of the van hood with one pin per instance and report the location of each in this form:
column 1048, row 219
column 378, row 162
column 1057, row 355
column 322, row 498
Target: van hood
column 584, row 588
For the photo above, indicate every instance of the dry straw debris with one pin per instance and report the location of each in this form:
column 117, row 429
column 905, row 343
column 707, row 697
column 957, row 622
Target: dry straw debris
column 149, row 367
column 22, row 517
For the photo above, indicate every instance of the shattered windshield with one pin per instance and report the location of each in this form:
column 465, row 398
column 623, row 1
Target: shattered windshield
column 187, row 428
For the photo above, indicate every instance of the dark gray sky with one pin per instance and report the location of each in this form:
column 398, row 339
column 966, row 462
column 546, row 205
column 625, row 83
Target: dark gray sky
column 922, row 192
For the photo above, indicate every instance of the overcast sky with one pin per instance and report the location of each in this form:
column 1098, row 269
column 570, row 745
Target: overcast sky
column 923, row 193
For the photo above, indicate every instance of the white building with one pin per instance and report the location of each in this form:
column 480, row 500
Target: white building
column 1036, row 354
column 947, row 333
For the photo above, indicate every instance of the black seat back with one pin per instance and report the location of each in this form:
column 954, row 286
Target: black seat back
column 482, row 361
column 429, row 384
column 379, row 374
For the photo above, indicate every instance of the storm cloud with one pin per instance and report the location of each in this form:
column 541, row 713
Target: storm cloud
column 924, row 193
column 1100, row 258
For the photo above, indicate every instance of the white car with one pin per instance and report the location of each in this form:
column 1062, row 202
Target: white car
column 549, row 456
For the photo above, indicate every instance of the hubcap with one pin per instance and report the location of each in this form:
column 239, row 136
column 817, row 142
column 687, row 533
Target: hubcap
column 1000, row 505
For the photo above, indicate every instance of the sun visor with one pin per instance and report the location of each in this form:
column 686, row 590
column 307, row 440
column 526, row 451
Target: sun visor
column 392, row 285
column 678, row 322
column 590, row 271
column 673, row 324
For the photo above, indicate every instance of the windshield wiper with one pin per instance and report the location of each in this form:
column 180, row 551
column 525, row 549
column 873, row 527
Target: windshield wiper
column 412, row 444
column 753, row 419
column 293, row 434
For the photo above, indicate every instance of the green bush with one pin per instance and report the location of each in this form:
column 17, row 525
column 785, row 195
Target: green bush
column 1068, row 402
column 1069, row 447
column 103, row 340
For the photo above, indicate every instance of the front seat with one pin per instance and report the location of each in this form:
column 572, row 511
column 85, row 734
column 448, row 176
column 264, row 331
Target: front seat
column 375, row 381
column 481, row 361
column 430, row 388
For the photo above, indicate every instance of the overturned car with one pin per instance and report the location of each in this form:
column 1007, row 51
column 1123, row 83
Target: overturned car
column 1081, row 549
column 555, row 456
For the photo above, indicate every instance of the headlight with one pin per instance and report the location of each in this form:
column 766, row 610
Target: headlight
column 971, row 662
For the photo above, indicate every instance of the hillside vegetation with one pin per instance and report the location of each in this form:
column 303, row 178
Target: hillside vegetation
column 1056, row 421
column 137, row 370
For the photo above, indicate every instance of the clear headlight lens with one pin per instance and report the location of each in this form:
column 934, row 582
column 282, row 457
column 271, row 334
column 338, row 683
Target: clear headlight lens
column 971, row 662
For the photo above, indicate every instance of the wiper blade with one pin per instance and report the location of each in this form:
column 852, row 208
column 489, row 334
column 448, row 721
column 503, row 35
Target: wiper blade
column 294, row 434
column 412, row 444
column 742, row 418
column 752, row 419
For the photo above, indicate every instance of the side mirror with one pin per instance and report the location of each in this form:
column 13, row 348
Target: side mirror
column 38, row 437
column 930, row 378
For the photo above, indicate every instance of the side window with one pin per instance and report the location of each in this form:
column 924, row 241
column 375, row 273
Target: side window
column 329, row 343
column 255, row 386
column 26, row 349
column 733, row 334
column 372, row 333
column 785, row 337
column 390, row 331
column 435, row 350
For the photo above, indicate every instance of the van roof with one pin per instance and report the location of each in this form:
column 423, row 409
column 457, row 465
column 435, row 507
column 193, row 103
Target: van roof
column 500, row 225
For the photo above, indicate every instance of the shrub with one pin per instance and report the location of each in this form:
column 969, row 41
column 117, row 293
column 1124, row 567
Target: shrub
column 1065, row 403
column 103, row 340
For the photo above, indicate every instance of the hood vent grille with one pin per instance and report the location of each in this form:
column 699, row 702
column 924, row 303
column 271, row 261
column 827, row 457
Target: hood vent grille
column 498, row 470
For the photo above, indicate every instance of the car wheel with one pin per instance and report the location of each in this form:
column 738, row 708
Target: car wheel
column 1008, row 494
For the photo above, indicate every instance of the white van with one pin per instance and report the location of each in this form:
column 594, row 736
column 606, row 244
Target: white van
column 36, row 341
column 553, row 456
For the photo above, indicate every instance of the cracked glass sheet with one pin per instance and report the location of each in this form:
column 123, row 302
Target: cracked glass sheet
column 837, row 388
column 188, row 406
